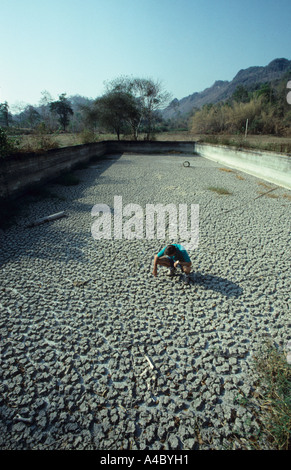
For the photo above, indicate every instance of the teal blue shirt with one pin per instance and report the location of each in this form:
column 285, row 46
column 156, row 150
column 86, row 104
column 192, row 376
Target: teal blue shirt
column 180, row 255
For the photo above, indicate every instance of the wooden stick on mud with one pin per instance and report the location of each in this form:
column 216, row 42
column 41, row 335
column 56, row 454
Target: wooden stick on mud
column 47, row 219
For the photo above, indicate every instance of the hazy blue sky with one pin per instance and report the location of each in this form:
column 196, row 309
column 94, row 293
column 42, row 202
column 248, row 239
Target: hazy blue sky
column 74, row 46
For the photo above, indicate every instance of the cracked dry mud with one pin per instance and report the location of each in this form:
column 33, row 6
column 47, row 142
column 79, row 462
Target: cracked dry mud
column 96, row 353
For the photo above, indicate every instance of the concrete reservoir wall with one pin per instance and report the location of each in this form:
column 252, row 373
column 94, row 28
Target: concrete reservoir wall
column 21, row 171
column 269, row 166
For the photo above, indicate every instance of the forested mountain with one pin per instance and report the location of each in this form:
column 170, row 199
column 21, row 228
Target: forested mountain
column 251, row 78
column 257, row 94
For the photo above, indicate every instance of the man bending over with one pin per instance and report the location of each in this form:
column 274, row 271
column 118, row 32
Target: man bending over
column 173, row 256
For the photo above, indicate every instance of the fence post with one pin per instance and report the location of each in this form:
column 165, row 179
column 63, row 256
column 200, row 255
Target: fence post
column 246, row 131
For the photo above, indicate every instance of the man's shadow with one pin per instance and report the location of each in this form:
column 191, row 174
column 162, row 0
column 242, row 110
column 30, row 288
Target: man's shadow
column 216, row 283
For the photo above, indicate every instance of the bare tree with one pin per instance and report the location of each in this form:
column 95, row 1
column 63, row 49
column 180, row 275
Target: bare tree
column 44, row 109
column 152, row 97
column 63, row 108
column 116, row 110
column 4, row 114
column 147, row 97
column 30, row 116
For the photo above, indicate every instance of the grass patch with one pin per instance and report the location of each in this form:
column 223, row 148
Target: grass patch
column 219, row 190
column 37, row 143
column 269, row 143
column 265, row 185
column 81, row 166
column 67, row 179
column 275, row 374
column 270, row 195
column 37, row 193
column 269, row 404
column 227, row 170
column 9, row 210
column 267, row 188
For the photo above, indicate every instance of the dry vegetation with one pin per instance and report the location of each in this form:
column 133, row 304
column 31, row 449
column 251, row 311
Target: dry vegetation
column 261, row 142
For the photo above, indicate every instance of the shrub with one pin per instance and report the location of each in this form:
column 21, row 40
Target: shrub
column 275, row 373
column 40, row 141
column 67, row 179
column 6, row 145
column 9, row 211
column 88, row 136
column 219, row 190
column 263, row 117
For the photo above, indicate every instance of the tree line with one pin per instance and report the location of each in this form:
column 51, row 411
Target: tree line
column 128, row 106
column 264, row 110
column 132, row 106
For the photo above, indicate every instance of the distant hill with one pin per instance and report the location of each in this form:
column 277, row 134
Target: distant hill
column 221, row 90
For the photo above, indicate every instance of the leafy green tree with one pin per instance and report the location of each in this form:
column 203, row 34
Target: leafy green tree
column 115, row 110
column 4, row 114
column 132, row 111
column 144, row 98
column 90, row 114
column 266, row 92
column 241, row 94
column 30, row 116
column 63, row 108
column 6, row 146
